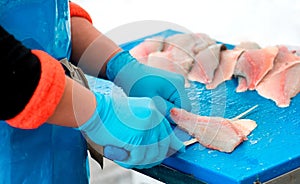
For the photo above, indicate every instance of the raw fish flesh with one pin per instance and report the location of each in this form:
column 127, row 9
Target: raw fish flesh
column 226, row 67
column 242, row 85
column 247, row 46
column 214, row 132
column 195, row 56
column 206, row 62
column 148, row 46
column 163, row 60
column 190, row 43
column 245, row 126
column 199, row 58
column 253, row 65
column 282, row 83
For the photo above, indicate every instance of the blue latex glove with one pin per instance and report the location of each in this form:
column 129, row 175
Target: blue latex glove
column 138, row 80
column 133, row 124
column 115, row 153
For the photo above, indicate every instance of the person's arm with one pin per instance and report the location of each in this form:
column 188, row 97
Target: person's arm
column 35, row 89
column 97, row 55
column 75, row 107
column 91, row 50
column 133, row 129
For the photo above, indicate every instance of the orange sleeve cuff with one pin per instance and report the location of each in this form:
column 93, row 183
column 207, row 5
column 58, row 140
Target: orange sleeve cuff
column 46, row 96
column 78, row 11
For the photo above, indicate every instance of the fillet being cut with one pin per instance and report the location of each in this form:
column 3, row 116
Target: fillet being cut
column 226, row 67
column 282, row 83
column 214, row 132
column 253, row 65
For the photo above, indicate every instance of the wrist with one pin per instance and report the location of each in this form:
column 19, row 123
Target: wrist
column 117, row 62
column 94, row 122
column 103, row 73
column 46, row 95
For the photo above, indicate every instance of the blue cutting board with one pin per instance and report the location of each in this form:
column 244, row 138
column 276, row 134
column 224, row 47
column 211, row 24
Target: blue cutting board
column 272, row 149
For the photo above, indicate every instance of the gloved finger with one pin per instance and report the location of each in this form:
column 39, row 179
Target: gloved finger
column 176, row 144
column 158, row 152
column 163, row 105
column 137, row 157
column 115, row 153
column 153, row 153
column 180, row 99
column 175, row 92
column 144, row 164
column 163, row 150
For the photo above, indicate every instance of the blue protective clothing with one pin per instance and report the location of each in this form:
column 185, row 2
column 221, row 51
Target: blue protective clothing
column 133, row 124
column 48, row 154
column 138, row 80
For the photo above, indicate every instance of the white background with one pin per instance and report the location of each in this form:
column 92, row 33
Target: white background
column 267, row 22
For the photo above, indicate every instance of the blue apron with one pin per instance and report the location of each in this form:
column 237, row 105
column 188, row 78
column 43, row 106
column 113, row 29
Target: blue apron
column 48, row 154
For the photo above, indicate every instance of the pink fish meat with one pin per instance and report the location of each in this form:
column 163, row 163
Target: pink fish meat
column 206, row 62
column 195, row 56
column 226, row 67
column 270, row 70
column 280, row 84
column 164, row 61
column 148, row 46
column 214, row 132
column 253, row 65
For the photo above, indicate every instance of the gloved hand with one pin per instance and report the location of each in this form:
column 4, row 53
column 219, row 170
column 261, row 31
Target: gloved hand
column 138, row 80
column 115, row 153
column 133, row 124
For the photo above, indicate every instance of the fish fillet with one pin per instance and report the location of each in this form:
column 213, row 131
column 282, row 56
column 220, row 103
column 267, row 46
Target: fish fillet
column 190, row 43
column 148, row 46
column 181, row 53
column 280, row 84
column 226, row 67
column 164, row 61
column 206, row 62
column 214, row 132
column 247, row 45
column 254, row 64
